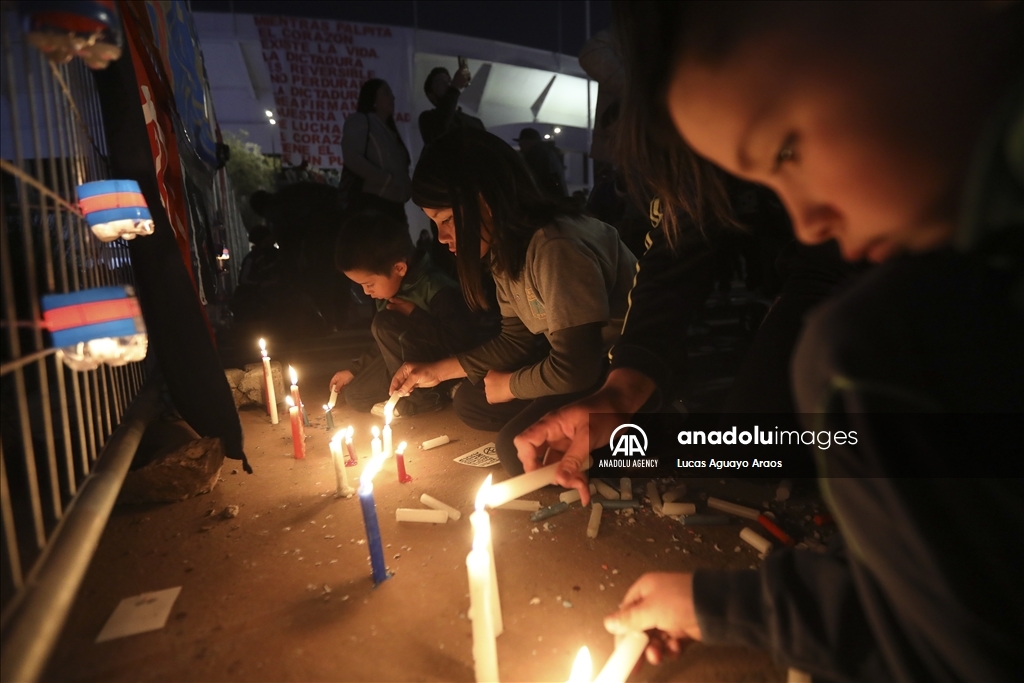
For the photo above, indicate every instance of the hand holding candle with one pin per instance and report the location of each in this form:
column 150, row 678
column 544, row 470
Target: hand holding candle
column 658, row 601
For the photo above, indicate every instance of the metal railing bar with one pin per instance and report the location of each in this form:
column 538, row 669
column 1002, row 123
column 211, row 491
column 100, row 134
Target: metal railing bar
column 70, row 484
column 87, row 403
column 105, row 394
column 28, row 179
column 63, row 180
column 11, row 311
column 58, row 74
column 10, row 533
column 42, row 607
column 13, row 365
column 76, row 388
column 58, row 211
column 30, row 258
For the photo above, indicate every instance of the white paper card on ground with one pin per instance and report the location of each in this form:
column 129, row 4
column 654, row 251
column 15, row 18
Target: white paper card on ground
column 138, row 614
column 485, row 456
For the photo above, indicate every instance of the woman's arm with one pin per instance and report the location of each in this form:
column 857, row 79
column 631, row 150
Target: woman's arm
column 508, row 351
column 574, row 364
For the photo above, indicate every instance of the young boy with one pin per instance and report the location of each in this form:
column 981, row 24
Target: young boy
column 421, row 314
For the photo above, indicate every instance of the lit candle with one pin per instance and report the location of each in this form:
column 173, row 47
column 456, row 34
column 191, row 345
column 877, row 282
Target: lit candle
column 403, row 476
column 350, row 452
column 295, row 394
column 582, row 668
column 329, row 417
column 333, row 399
column 298, row 433
column 485, row 648
column 268, row 383
column 627, row 651
column 389, row 413
column 516, row 487
column 340, row 473
column 366, row 502
column 481, row 522
column 375, row 447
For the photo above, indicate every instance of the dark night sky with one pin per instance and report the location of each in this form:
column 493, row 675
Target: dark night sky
column 533, row 23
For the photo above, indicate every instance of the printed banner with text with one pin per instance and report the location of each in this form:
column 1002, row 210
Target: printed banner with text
column 317, row 67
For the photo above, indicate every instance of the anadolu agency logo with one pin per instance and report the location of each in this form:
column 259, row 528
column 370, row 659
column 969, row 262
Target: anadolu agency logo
column 628, row 444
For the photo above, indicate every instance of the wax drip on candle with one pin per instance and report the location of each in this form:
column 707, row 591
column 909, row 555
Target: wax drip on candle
column 582, row 668
column 350, row 452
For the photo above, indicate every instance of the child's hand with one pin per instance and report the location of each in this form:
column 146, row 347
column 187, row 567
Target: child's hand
column 401, row 305
column 340, row 380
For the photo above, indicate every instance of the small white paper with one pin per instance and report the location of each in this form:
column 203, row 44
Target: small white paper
column 138, row 614
column 485, row 456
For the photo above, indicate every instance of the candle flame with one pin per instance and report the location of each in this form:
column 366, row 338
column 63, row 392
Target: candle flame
column 337, row 436
column 370, row 471
column 401, row 448
column 263, row 346
column 289, row 401
column 327, row 408
column 294, row 376
column 582, row 668
column 484, row 493
column 375, row 431
column 348, row 433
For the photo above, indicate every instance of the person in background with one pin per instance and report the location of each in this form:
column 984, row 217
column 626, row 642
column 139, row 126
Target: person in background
column 544, row 162
column 376, row 173
column 443, row 92
column 895, row 129
column 561, row 278
column 421, row 315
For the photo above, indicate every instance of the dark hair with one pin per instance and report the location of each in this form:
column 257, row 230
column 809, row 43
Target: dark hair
column 372, row 241
column 366, row 104
column 430, row 79
column 657, row 161
column 466, row 165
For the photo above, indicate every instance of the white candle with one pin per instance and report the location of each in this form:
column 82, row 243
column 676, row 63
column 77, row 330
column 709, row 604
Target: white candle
column 733, row 508
column 481, row 522
column 269, row 373
column 627, row 651
column 606, row 490
column 570, row 496
column 676, row 509
column 388, row 446
column 426, row 516
column 595, row 520
column 760, row 543
column 655, row 497
column 582, row 667
column 434, row 443
column 521, row 505
column 333, row 399
column 389, row 407
column 375, row 446
column 340, row 473
column 675, row 494
column 485, row 648
column 434, row 503
column 626, row 488
column 517, row 487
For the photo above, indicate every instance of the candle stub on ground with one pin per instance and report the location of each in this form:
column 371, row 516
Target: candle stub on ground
column 655, row 497
column 703, row 520
column 595, row 520
column 425, row 516
column 760, row 543
column 733, row 508
column 626, row 489
column 570, row 496
column 434, row 443
column 434, row 503
column 606, row 490
column 676, row 509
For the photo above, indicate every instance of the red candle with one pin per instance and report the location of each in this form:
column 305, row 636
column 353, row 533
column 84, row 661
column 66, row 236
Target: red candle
column 298, row 433
column 295, row 386
column 351, row 460
column 403, row 476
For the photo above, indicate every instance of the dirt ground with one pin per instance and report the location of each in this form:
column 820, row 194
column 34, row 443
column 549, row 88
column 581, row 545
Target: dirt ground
column 283, row 591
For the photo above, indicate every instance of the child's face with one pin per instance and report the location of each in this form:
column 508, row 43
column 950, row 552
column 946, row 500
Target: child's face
column 843, row 143
column 379, row 286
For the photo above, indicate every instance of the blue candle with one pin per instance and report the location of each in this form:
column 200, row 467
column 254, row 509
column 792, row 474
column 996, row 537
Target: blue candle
column 330, row 418
column 305, row 418
column 380, row 572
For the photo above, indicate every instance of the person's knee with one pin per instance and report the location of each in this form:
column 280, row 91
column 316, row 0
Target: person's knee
column 507, row 453
column 358, row 400
column 469, row 406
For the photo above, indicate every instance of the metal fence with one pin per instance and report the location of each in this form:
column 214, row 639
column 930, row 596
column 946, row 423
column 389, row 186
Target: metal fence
column 54, row 422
